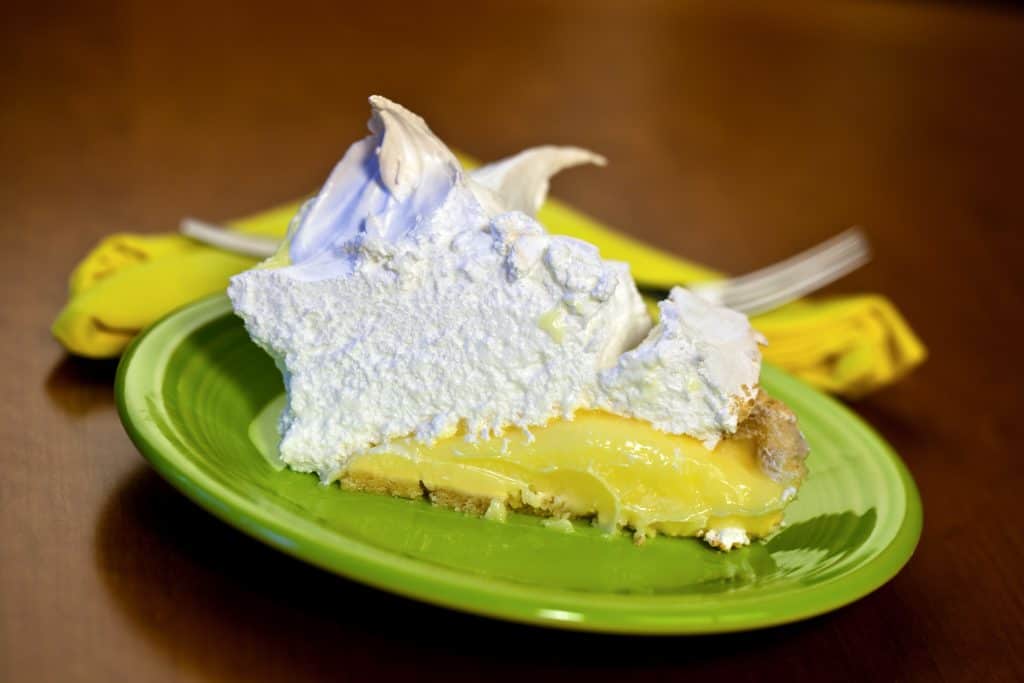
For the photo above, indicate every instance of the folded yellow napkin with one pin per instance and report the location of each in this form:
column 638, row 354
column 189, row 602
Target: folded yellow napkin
column 845, row 345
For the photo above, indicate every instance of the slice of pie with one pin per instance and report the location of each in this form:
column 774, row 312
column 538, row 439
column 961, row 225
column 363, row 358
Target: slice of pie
column 436, row 341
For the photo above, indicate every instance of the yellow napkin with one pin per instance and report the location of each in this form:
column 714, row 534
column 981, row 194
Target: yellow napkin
column 845, row 345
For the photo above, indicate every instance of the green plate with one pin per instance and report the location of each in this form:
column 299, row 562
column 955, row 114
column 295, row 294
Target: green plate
column 193, row 393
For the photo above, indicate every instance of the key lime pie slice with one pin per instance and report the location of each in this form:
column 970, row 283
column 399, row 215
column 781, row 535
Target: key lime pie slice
column 436, row 341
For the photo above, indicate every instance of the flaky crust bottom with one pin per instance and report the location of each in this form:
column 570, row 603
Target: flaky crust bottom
column 543, row 506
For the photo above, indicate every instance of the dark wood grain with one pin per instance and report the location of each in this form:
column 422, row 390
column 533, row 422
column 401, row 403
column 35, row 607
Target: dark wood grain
column 736, row 135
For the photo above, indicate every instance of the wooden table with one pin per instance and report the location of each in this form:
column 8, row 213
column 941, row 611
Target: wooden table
column 736, row 135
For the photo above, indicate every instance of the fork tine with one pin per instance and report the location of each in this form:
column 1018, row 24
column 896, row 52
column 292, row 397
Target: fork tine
column 772, row 297
column 836, row 242
column 256, row 246
column 815, row 265
column 849, row 241
column 838, row 250
column 811, row 270
column 807, row 270
column 777, row 299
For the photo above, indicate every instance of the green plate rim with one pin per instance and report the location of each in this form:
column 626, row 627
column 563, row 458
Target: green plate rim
column 497, row 598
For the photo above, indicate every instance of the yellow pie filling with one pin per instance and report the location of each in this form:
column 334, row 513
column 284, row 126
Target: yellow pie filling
column 618, row 471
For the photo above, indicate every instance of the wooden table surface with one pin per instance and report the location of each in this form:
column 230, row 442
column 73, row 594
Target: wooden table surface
column 736, row 135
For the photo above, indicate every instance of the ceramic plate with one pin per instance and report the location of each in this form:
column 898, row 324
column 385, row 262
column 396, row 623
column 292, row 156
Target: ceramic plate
column 197, row 398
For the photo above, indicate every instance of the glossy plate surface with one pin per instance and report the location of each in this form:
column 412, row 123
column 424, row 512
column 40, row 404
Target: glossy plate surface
column 191, row 390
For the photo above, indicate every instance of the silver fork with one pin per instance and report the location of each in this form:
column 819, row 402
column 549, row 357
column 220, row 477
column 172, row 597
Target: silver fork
column 228, row 240
column 756, row 292
column 788, row 280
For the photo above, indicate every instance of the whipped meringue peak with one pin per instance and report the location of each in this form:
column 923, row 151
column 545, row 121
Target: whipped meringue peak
column 415, row 299
column 382, row 188
column 521, row 181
